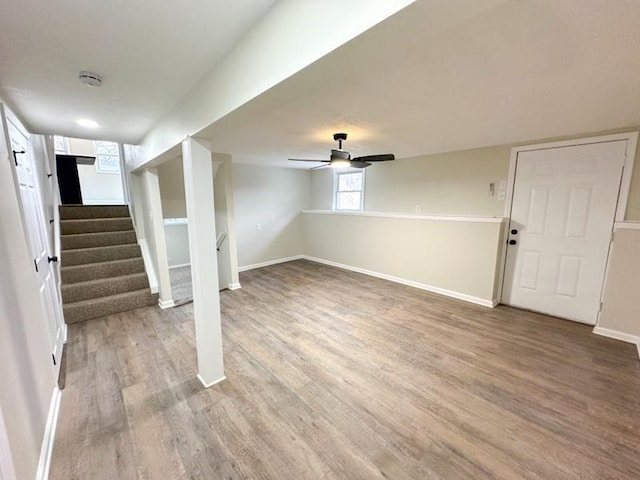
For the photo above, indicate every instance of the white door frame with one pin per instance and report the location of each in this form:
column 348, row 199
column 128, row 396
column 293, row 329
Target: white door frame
column 56, row 309
column 623, row 192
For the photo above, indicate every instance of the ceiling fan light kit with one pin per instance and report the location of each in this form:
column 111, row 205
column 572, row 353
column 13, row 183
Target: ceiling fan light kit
column 342, row 159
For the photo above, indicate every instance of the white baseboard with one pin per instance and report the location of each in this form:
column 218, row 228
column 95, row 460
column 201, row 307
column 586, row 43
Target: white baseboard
column 211, row 384
column 270, row 262
column 49, row 436
column 180, row 266
column 624, row 337
column 148, row 265
column 166, row 304
column 234, row 286
column 410, row 283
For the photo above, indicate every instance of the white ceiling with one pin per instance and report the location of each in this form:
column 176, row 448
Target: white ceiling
column 440, row 75
column 150, row 54
column 521, row 71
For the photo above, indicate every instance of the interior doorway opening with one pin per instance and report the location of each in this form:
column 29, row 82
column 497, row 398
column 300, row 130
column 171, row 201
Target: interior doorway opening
column 89, row 172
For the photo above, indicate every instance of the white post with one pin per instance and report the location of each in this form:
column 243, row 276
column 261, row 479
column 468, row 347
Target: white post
column 224, row 181
column 155, row 238
column 198, row 185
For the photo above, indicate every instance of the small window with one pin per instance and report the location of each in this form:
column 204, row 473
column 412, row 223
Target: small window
column 349, row 191
column 60, row 145
column 107, row 157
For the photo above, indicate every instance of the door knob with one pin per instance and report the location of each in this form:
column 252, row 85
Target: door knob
column 52, row 259
column 512, row 242
column 514, row 232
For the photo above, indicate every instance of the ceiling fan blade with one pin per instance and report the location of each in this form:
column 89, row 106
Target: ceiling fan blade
column 359, row 164
column 376, row 158
column 326, row 165
column 308, row 160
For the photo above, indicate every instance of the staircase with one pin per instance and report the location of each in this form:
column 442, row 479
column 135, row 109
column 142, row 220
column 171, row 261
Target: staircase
column 102, row 267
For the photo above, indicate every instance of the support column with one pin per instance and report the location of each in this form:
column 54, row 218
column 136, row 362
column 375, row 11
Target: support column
column 154, row 230
column 223, row 186
column 198, row 186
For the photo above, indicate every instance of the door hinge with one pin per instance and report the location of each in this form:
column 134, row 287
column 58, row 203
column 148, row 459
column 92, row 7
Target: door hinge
column 54, row 359
column 35, row 264
column 600, row 309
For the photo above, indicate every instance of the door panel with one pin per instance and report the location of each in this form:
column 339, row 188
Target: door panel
column 563, row 208
column 36, row 230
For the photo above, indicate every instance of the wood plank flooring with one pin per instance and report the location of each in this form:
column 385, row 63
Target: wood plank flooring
column 336, row 375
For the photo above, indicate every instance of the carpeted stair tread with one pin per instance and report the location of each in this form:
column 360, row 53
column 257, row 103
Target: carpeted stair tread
column 81, row 256
column 104, row 287
column 95, row 225
column 93, row 271
column 70, row 212
column 102, row 267
column 101, row 239
column 99, row 307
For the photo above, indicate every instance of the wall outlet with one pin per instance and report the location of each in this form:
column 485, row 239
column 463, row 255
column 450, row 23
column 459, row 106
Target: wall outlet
column 258, row 227
column 418, row 208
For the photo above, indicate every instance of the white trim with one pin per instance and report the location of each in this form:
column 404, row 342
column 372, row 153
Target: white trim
column 626, row 226
column 410, row 216
column 410, row 283
column 624, row 337
column 215, row 382
column 148, row 265
column 234, row 286
column 49, row 436
column 627, row 174
column 269, row 262
column 179, row 266
column 172, row 222
column 164, row 304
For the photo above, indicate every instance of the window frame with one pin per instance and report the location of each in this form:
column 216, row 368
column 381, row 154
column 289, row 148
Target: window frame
column 100, row 168
column 336, row 184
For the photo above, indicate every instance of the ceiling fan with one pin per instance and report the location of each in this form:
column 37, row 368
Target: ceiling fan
column 341, row 158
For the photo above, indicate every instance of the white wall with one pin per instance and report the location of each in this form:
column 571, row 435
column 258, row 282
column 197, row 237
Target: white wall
column 621, row 306
column 453, row 257
column 177, row 238
column 455, row 183
column 171, row 179
column 97, row 188
column 28, row 378
column 170, row 176
column 268, row 204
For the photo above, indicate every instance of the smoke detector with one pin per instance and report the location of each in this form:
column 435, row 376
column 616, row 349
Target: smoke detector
column 89, row 78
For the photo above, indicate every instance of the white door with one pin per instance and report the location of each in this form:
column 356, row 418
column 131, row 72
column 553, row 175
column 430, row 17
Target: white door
column 562, row 214
column 36, row 226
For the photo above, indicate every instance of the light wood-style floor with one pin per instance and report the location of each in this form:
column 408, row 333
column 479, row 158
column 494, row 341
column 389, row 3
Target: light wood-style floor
column 336, row 375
